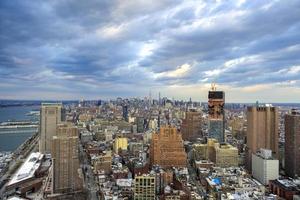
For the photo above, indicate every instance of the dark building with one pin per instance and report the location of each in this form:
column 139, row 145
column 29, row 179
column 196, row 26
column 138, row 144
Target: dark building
column 125, row 113
column 292, row 144
column 140, row 122
column 216, row 115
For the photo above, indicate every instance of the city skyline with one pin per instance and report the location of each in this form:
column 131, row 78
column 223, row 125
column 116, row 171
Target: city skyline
column 66, row 50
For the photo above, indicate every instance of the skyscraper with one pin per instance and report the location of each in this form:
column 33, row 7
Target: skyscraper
column 191, row 125
column 262, row 131
column 167, row 148
column 292, row 144
column 50, row 116
column 216, row 115
column 65, row 161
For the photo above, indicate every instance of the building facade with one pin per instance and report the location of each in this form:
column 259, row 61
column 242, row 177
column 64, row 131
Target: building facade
column 292, row 144
column 144, row 187
column 191, row 125
column 120, row 143
column 167, row 148
column 264, row 167
column 226, row 155
column 223, row 155
column 50, row 116
column 65, row 160
column 262, row 131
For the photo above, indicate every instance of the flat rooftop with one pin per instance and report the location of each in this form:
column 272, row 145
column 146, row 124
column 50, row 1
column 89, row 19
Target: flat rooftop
column 28, row 168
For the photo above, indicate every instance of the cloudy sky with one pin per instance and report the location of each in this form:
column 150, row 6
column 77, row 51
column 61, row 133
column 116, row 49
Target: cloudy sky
column 64, row 49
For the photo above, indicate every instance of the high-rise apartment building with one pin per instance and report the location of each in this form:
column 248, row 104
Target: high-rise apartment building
column 292, row 144
column 50, row 116
column 167, row 148
column 216, row 115
column 144, row 187
column 191, row 125
column 65, row 160
column 262, row 131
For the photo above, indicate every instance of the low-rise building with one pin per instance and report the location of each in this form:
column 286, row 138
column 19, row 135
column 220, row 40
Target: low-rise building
column 264, row 167
column 285, row 188
column 144, row 187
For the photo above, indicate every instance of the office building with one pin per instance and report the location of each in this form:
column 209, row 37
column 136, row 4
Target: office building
column 292, row 144
column 144, row 187
column 216, row 115
column 262, row 131
column 65, row 161
column 191, row 125
column 167, row 148
column 223, row 155
column 264, row 167
column 226, row 155
column 120, row 143
column 50, row 116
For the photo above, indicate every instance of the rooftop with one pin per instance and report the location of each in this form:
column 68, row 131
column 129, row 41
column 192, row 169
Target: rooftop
column 28, row 168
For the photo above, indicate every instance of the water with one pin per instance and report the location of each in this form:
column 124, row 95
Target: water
column 11, row 141
column 17, row 113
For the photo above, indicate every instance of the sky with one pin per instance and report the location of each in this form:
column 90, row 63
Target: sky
column 102, row 49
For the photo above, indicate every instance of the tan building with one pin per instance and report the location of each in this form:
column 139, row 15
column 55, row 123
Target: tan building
column 50, row 116
column 191, row 125
column 144, row 187
column 167, row 148
column 200, row 152
column 292, row 144
column 262, row 131
column 223, row 155
column 226, row 155
column 65, row 161
column 102, row 162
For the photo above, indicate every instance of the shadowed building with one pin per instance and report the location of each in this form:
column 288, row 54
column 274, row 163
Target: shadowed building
column 50, row 116
column 191, row 125
column 262, row 131
column 65, row 161
column 167, row 148
column 216, row 115
column 292, row 144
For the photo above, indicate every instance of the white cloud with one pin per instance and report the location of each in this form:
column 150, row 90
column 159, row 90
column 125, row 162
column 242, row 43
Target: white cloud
column 179, row 72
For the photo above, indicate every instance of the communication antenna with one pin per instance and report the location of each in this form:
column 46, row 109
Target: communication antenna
column 213, row 86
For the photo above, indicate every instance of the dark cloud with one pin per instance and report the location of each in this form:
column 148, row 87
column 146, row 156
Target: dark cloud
column 128, row 47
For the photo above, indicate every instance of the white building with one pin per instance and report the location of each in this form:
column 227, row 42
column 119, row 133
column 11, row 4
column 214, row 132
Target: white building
column 264, row 167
